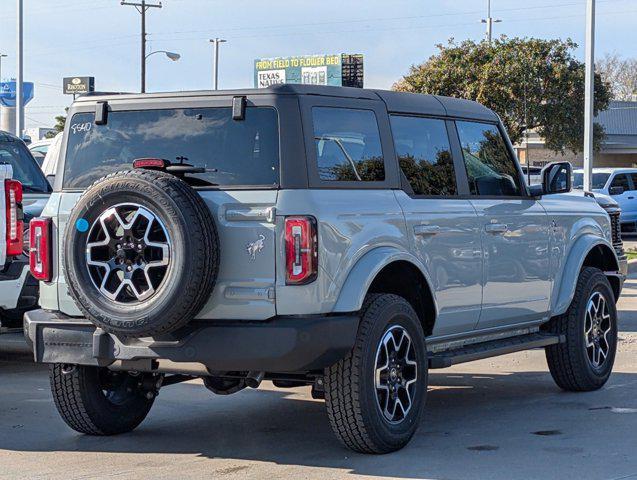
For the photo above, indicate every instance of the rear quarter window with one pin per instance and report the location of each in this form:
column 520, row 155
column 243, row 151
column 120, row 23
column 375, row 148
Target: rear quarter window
column 233, row 153
column 348, row 145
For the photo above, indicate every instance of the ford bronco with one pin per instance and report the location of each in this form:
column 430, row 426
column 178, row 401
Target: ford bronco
column 341, row 238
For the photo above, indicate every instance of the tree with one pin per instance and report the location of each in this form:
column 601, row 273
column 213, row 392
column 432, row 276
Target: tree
column 621, row 74
column 60, row 121
column 508, row 75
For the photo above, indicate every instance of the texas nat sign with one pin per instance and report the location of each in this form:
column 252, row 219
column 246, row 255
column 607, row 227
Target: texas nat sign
column 339, row 70
column 79, row 85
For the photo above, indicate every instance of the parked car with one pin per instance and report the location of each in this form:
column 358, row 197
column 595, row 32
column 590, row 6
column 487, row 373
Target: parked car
column 19, row 289
column 50, row 163
column 605, row 201
column 341, row 238
column 532, row 175
column 38, row 149
column 621, row 185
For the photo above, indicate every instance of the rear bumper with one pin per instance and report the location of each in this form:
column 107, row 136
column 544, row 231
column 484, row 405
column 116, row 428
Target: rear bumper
column 282, row 345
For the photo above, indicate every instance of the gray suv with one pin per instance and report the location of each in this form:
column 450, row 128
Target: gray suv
column 345, row 239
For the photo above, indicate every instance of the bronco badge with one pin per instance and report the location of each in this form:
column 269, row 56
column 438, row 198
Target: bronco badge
column 255, row 247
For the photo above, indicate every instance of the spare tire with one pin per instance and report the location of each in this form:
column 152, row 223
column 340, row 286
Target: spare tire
column 141, row 253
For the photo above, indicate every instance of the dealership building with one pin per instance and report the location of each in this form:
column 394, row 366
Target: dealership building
column 619, row 148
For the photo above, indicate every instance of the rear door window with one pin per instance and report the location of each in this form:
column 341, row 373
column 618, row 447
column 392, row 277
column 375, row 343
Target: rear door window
column 621, row 180
column 25, row 169
column 232, row 152
column 424, row 154
column 491, row 170
column 348, row 146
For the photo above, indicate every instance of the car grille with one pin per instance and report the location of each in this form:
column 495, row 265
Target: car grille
column 616, row 232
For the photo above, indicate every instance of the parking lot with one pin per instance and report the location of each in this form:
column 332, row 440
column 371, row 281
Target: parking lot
column 503, row 417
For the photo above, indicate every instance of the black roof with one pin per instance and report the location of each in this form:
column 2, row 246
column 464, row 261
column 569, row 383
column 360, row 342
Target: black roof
column 400, row 102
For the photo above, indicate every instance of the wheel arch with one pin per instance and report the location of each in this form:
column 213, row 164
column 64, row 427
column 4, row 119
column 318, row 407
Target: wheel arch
column 390, row 270
column 591, row 251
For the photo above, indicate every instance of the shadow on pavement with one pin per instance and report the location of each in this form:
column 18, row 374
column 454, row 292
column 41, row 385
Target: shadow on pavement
column 501, row 423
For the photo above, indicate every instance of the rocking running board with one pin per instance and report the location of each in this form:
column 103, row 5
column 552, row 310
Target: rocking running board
column 492, row 348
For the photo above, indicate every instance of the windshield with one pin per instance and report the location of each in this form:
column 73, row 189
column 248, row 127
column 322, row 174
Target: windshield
column 25, row 170
column 231, row 152
column 597, row 182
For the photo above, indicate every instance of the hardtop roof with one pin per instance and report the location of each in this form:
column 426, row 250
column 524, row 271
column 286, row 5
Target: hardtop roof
column 399, row 102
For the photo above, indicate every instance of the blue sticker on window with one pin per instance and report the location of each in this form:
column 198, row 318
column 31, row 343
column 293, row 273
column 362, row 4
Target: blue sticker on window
column 81, row 225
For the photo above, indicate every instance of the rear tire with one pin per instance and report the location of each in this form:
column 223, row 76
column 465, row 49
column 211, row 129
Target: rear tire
column 585, row 361
column 359, row 411
column 97, row 401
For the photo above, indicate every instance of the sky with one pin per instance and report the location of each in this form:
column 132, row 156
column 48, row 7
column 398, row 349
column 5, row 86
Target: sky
column 101, row 38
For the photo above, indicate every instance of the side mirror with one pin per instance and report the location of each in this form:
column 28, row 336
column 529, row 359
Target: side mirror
column 616, row 190
column 557, row 177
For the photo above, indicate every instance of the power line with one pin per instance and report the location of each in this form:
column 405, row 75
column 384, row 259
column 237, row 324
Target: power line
column 365, row 20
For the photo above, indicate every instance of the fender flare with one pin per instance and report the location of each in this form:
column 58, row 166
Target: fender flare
column 579, row 251
column 365, row 270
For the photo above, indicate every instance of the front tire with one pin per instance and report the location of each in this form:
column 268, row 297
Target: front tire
column 97, row 401
column 585, row 361
column 376, row 394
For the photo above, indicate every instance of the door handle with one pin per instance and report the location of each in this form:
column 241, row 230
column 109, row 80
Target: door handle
column 425, row 230
column 631, row 198
column 496, row 227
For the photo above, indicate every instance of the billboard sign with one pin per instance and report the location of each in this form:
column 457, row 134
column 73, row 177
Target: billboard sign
column 309, row 70
column 78, row 85
column 8, row 93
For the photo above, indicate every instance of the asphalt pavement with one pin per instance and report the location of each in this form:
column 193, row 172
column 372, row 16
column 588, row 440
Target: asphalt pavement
column 500, row 418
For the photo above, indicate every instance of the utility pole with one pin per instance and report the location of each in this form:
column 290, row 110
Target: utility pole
column 589, row 93
column 215, row 67
column 141, row 8
column 490, row 21
column 19, row 118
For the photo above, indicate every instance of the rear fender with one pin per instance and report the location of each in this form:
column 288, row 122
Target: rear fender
column 364, row 272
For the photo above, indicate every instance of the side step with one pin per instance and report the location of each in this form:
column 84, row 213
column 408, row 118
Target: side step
column 493, row 348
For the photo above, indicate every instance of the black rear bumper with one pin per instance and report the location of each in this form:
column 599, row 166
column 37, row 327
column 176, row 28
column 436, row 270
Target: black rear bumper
column 282, row 345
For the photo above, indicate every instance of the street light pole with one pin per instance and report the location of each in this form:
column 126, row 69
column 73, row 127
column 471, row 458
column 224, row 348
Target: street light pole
column 141, row 8
column 19, row 118
column 589, row 93
column 215, row 74
column 2, row 55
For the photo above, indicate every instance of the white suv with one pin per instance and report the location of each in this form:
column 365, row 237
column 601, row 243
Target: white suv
column 621, row 185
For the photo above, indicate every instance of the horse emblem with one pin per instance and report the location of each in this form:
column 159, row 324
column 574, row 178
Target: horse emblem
column 255, row 247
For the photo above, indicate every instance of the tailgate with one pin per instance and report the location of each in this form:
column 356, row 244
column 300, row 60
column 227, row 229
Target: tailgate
column 245, row 284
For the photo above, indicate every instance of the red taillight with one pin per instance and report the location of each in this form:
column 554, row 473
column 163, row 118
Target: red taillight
column 301, row 250
column 40, row 250
column 15, row 225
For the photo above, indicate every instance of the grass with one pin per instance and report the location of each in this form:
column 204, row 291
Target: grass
column 631, row 255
